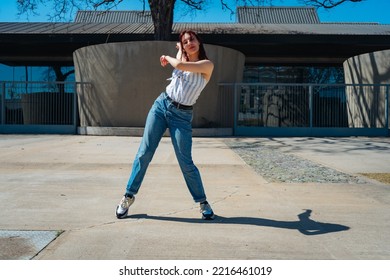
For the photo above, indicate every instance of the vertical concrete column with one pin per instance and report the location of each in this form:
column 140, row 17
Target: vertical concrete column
column 366, row 104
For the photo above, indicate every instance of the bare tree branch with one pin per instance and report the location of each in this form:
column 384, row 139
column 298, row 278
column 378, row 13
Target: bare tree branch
column 196, row 4
column 226, row 7
column 103, row 2
column 327, row 4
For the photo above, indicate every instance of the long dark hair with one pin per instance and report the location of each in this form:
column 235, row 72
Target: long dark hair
column 202, row 51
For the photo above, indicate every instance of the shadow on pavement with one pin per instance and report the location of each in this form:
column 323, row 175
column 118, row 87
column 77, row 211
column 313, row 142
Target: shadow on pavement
column 304, row 225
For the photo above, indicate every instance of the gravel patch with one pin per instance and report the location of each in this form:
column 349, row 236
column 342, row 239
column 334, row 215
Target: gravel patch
column 277, row 166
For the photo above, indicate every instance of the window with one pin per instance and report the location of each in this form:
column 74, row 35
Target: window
column 293, row 74
column 272, row 96
column 36, row 73
column 29, row 94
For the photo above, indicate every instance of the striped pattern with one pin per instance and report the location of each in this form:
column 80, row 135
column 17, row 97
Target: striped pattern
column 185, row 87
column 277, row 15
column 202, row 28
column 114, row 16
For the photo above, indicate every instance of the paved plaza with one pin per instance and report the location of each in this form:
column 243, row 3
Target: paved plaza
column 58, row 195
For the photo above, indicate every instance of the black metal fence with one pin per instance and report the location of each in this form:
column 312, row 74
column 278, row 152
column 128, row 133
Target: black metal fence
column 38, row 106
column 307, row 109
column 251, row 109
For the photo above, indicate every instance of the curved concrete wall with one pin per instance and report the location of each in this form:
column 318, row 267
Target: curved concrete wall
column 127, row 77
column 366, row 106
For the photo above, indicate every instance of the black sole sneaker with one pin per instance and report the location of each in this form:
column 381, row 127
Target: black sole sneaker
column 207, row 212
column 123, row 207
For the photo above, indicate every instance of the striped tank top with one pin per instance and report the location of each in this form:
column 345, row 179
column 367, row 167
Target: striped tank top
column 185, row 87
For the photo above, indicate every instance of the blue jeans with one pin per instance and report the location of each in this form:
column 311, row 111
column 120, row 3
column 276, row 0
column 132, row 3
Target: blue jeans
column 163, row 115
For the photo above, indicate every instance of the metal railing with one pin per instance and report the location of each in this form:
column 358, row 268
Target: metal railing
column 249, row 108
column 43, row 105
column 308, row 109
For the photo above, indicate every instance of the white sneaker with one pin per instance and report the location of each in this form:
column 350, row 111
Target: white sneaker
column 123, row 207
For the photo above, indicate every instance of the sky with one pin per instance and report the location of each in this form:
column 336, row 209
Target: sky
column 366, row 11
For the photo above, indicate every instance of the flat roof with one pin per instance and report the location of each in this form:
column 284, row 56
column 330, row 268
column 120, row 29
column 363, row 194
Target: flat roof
column 266, row 35
column 201, row 28
column 114, row 16
column 277, row 15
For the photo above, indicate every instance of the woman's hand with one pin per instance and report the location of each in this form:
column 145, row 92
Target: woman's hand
column 163, row 61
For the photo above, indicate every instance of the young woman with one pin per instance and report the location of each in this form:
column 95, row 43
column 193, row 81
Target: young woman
column 173, row 110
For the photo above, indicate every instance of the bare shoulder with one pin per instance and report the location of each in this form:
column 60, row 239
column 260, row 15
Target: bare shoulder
column 208, row 67
column 206, row 62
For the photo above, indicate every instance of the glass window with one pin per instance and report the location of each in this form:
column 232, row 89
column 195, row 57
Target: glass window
column 293, row 74
column 36, row 73
column 30, row 96
column 266, row 102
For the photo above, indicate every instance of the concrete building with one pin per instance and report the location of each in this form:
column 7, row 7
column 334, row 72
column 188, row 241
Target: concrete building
column 265, row 46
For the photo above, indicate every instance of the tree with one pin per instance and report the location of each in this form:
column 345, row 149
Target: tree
column 162, row 15
column 161, row 10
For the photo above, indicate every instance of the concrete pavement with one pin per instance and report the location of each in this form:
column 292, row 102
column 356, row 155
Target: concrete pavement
column 71, row 185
